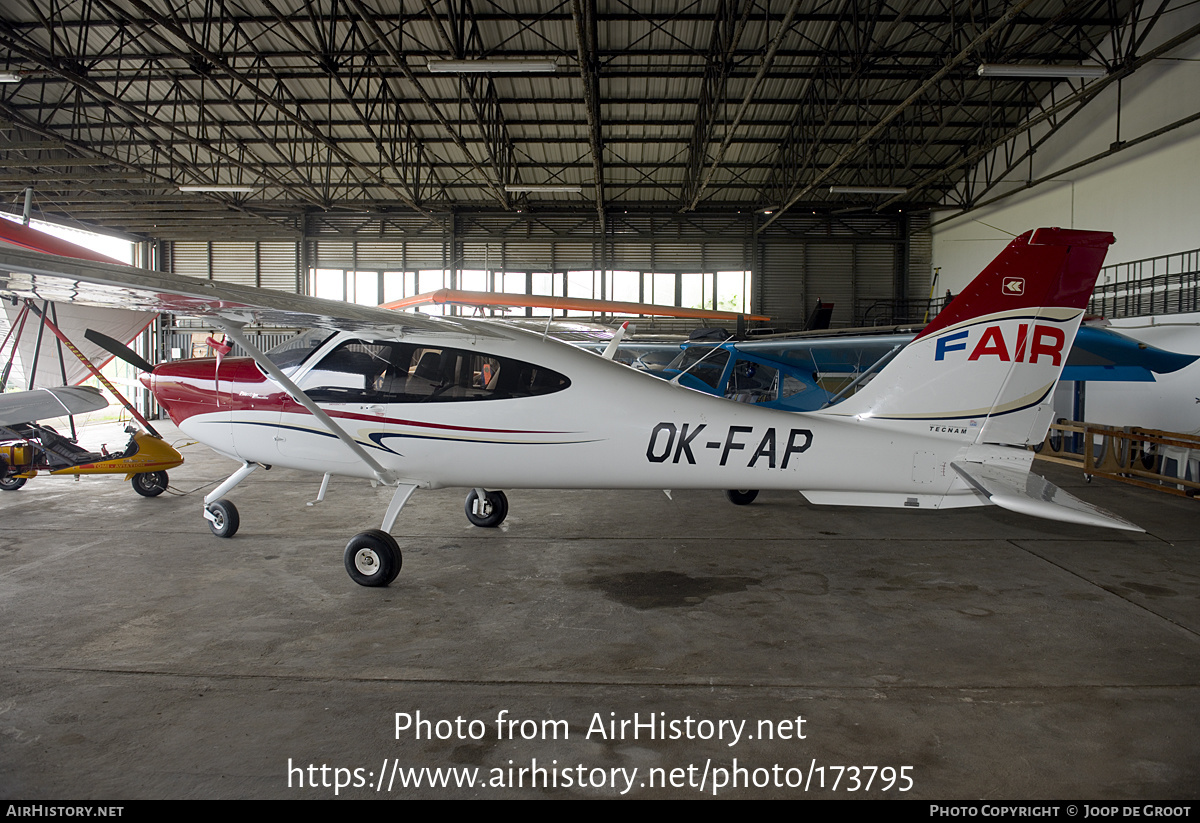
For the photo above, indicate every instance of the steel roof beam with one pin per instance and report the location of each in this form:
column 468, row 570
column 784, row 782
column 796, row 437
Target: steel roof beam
column 1013, row 10
column 218, row 62
column 1077, row 100
column 583, row 13
column 368, row 20
column 484, row 103
column 408, row 145
column 681, row 16
column 728, row 26
column 768, row 58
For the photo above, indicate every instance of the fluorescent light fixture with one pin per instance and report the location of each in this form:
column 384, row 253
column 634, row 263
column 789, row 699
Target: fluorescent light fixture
column 488, row 66
column 866, row 190
column 9, row 77
column 518, row 188
column 1027, row 70
column 220, row 188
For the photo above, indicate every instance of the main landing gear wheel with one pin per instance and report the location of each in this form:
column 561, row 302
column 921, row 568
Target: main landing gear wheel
column 11, row 484
column 493, row 511
column 226, row 520
column 373, row 558
column 149, row 484
column 741, row 498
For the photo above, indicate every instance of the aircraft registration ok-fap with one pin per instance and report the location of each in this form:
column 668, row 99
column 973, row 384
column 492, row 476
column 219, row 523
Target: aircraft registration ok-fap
column 422, row 402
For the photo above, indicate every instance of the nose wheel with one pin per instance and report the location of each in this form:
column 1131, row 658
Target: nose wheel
column 373, row 558
column 222, row 517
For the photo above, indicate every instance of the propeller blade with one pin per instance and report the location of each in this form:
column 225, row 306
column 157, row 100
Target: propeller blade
column 118, row 349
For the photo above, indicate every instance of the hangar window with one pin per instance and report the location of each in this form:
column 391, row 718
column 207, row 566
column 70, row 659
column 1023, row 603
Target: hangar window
column 360, row 371
column 722, row 290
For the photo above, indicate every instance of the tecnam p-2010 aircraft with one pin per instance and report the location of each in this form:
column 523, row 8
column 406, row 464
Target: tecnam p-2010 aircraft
column 419, row 402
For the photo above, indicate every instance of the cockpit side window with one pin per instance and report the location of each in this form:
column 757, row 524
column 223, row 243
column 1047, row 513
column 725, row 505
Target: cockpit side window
column 752, row 382
column 397, row 372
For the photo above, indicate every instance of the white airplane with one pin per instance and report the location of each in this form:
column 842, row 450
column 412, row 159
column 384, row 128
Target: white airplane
column 419, row 402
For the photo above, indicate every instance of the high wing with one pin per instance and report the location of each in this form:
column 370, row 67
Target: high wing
column 1098, row 354
column 41, row 276
column 49, row 360
column 28, row 238
column 40, row 404
column 1105, row 355
column 492, row 300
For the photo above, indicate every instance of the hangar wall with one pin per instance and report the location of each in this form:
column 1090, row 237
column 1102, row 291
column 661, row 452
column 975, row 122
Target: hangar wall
column 1145, row 195
column 867, row 265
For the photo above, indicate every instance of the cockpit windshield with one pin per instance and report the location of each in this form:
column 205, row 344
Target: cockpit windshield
column 706, row 363
column 291, row 353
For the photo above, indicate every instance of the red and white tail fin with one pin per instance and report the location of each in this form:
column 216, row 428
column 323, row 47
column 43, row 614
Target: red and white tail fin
column 989, row 362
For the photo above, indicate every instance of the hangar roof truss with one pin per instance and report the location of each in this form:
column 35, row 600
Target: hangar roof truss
column 328, row 106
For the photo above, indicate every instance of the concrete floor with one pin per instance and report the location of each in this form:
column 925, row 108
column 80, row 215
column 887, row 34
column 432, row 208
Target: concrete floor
column 993, row 655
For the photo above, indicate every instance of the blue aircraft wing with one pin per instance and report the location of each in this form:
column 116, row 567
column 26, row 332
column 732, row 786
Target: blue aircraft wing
column 1101, row 354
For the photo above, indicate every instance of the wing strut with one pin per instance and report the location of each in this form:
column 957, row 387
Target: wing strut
column 234, row 330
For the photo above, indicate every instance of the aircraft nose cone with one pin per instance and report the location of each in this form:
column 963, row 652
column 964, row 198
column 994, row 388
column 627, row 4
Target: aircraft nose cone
column 190, row 387
column 182, row 388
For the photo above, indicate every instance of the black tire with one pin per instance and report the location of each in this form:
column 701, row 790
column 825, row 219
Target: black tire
column 495, row 510
column 150, row 484
column 11, row 484
column 373, row 558
column 741, row 498
column 1055, row 438
column 227, row 521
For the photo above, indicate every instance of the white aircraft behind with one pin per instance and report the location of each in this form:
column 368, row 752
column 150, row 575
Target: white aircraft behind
column 419, row 402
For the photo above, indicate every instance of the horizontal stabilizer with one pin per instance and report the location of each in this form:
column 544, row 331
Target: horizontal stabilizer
column 1027, row 493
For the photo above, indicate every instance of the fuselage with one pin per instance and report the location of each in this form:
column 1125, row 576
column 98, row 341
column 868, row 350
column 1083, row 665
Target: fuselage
column 604, row 426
